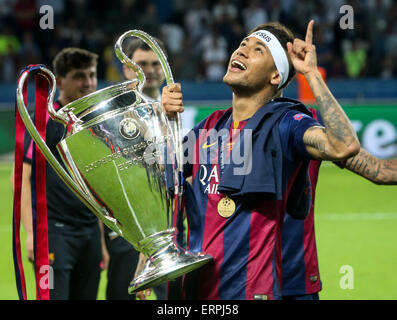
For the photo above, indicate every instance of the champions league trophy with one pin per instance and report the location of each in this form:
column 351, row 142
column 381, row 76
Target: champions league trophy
column 124, row 161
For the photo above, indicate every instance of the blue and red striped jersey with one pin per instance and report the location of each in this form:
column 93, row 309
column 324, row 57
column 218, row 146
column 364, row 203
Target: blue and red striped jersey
column 299, row 252
column 246, row 246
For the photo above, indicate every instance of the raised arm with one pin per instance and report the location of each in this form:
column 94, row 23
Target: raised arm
column 337, row 140
column 379, row 171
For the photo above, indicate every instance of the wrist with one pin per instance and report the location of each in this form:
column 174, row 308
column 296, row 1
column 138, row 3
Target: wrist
column 312, row 75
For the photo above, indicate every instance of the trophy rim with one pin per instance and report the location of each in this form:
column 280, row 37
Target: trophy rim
column 107, row 115
column 78, row 106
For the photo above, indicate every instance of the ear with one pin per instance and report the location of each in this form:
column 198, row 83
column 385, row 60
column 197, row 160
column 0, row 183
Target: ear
column 275, row 78
column 59, row 82
column 128, row 73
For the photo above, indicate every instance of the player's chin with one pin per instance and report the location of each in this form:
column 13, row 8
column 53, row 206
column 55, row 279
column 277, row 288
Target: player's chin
column 152, row 83
column 228, row 78
column 83, row 93
column 233, row 79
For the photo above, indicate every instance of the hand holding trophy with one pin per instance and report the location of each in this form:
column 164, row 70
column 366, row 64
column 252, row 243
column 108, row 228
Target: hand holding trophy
column 124, row 160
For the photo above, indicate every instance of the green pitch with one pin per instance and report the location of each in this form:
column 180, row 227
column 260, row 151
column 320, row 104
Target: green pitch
column 356, row 225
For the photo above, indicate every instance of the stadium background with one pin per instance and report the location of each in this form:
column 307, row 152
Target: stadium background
column 355, row 220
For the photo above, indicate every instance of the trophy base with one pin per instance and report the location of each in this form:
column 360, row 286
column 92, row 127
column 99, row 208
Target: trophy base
column 165, row 266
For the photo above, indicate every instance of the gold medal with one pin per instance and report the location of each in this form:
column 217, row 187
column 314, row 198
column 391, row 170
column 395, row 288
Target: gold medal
column 226, row 207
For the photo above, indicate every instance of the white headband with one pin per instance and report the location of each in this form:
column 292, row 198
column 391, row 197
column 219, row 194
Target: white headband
column 277, row 51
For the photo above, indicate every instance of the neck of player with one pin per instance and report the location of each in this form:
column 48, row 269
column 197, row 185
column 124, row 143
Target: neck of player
column 63, row 100
column 246, row 105
column 152, row 93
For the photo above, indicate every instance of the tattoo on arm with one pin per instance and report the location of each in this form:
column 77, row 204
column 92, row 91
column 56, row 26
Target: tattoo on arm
column 374, row 169
column 364, row 164
column 388, row 172
column 314, row 140
column 338, row 129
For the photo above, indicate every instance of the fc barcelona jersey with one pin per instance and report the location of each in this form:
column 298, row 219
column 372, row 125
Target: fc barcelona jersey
column 242, row 234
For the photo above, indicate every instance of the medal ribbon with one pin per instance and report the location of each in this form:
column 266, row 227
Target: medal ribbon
column 39, row 202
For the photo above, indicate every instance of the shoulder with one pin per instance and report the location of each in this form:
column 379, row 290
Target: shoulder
column 216, row 116
column 292, row 104
column 213, row 118
column 316, row 115
column 292, row 128
column 294, row 118
column 206, row 124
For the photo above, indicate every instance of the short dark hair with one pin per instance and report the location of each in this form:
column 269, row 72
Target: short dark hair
column 140, row 44
column 283, row 35
column 73, row 58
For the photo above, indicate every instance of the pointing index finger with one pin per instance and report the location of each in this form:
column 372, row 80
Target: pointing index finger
column 309, row 32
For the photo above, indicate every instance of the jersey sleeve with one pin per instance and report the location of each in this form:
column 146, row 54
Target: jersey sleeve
column 292, row 127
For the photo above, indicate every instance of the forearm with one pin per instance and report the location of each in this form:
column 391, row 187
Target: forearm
column 141, row 264
column 26, row 199
column 388, row 172
column 341, row 137
column 101, row 228
column 382, row 172
column 12, row 178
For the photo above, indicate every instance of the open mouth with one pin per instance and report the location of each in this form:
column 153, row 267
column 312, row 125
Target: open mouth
column 238, row 65
column 85, row 92
column 151, row 79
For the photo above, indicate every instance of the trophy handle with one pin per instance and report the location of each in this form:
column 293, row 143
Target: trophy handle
column 51, row 159
column 174, row 120
column 131, row 64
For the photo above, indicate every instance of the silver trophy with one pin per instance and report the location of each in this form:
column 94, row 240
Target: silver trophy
column 123, row 159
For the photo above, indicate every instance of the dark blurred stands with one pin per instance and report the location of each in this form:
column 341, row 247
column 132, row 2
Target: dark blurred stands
column 200, row 35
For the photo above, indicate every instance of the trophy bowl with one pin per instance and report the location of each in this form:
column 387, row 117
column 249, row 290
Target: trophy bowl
column 123, row 160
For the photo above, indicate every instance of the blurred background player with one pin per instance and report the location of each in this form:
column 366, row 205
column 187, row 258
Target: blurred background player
column 123, row 257
column 76, row 247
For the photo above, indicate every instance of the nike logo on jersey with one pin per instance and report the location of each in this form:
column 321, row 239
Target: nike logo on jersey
column 206, row 146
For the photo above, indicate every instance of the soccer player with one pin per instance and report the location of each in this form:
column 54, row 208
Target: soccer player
column 301, row 276
column 74, row 235
column 123, row 257
column 235, row 207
